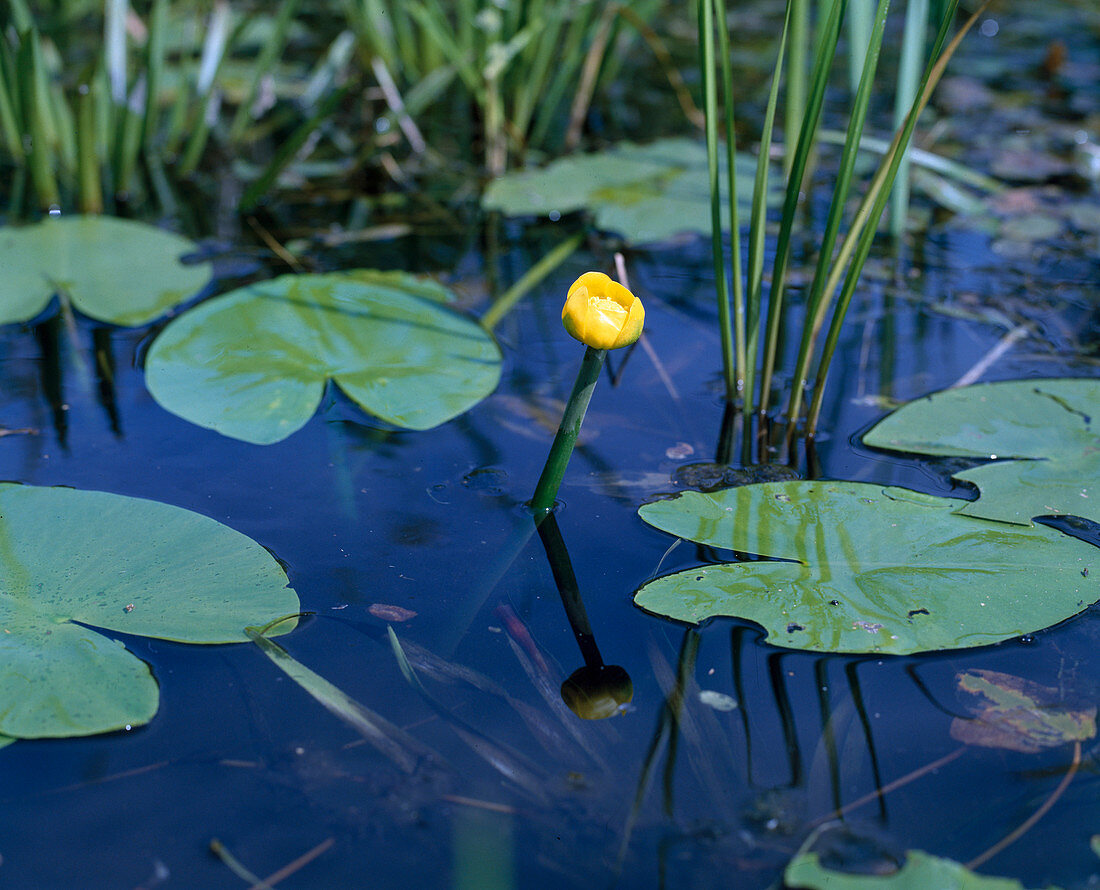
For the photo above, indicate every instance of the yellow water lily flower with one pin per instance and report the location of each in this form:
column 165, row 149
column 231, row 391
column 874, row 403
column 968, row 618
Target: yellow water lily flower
column 601, row 313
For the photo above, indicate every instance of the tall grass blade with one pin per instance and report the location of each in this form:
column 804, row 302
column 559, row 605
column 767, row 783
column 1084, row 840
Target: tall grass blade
column 794, row 108
column 154, row 71
column 710, row 109
column 287, row 151
column 874, row 201
column 823, row 56
column 114, row 48
column 261, row 68
column 736, row 272
column 909, row 71
column 816, row 296
column 757, row 229
column 36, row 101
column 91, row 191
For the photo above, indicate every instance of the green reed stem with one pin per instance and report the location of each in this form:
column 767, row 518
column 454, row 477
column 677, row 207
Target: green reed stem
column 824, row 52
column 794, row 108
column 91, row 192
column 507, row 300
column 731, row 174
column 560, row 451
column 757, row 229
column 909, row 71
column 817, row 296
column 710, row 108
column 874, row 201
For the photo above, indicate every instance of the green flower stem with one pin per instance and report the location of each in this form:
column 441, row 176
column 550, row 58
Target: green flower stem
column 558, row 459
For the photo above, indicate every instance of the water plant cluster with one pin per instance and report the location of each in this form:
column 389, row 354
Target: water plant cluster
column 177, row 103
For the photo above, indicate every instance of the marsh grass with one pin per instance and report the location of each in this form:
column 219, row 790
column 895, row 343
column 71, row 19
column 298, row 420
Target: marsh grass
column 124, row 124
column 750, row 329
column 529, row 69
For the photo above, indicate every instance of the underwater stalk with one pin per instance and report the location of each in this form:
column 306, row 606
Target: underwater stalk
column 603, row 315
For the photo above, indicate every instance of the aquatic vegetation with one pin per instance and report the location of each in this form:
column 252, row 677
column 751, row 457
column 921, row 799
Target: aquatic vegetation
column 114, row 270
column 79, row 566
column 599, row 335
column 1041, row 436
column 643, row 194
column 749, row 325
column 853, row 567
column 1015, row 714
column 920, row 869
column 253, row 364
column 531, row 67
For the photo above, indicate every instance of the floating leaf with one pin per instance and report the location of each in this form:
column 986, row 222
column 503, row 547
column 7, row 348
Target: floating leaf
column 1019, row 715
column 920, row 872
column 75, row 563
column 645, row 193
column 113, row 270
column 1043, row 434
column 253, row 364
column 870, row 569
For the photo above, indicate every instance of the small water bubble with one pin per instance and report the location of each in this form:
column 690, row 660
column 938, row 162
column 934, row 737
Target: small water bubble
column 1027, row 638
column 989, row 28
column 55, row 210
column 554, row 215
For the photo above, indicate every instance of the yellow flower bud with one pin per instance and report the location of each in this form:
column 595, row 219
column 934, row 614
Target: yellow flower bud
column 601, row 313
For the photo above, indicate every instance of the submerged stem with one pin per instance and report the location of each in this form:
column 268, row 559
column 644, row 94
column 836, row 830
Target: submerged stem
column 562, row 448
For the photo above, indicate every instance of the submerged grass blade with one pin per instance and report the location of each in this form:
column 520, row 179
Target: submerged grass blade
column 512, row 765
column 388, row 739
column 507, row 300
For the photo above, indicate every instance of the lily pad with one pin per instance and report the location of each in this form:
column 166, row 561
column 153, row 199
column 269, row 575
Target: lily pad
column 1043, row 434
column 113, row 270
column 1018, row 715
column 644, row 193
column 253, row 364
column 867, row 569
column 920, row 872
column 76, row 564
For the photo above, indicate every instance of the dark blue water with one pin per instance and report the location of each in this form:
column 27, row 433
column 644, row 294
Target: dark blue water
column 362, row 515
column 433, row 522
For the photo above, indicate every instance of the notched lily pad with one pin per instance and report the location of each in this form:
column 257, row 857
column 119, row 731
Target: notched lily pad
column 920, row 872
column 74, row 564
column 1018, row 715
column 114, row 270
column 252, row 364
column 644, row 193
column 853, row 567
column 1043, row 434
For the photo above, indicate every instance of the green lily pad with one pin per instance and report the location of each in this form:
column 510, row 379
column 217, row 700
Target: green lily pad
column 644, row 193
column 1016, row 714
column 253, row 364
column 1043, row 434
column 77, row 563
column 868, row 569
column 920, row 872
column 113, row 270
